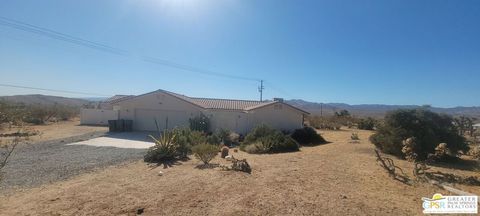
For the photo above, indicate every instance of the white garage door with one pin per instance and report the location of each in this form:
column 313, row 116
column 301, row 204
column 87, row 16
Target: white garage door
column 145, row 119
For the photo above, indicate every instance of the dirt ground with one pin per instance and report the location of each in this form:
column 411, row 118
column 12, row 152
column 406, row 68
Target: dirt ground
column 55, row 130
column 339, row 178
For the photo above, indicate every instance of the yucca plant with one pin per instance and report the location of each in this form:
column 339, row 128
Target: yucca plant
column 165, row 148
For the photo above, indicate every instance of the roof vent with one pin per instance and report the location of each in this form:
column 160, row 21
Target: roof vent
column 278, row 99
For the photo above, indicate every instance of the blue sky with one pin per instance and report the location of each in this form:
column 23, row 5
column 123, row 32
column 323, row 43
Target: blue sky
column 357, row 52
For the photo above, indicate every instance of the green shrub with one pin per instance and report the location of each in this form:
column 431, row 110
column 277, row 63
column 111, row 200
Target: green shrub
column 258, row 132
column 428, row 128
column 205, row 152
column 197, row 137
column 213, row 139
column 200, row 123
column 367, row 124
column 225, row 136
column 263, row 139
column 185, row 139
column 307, row 136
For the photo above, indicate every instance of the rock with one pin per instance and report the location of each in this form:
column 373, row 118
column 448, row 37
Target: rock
column 160, row 173
column 224, row 152
column 229, row 157
column 344, row 197
column 140, row 211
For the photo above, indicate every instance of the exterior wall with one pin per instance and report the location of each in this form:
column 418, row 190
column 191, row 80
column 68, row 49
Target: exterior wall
column 168, row 110
column 278, row 116
column 233, row 120
column 97, row 116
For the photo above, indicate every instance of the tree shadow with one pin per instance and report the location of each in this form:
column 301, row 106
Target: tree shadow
column 207, row 166
column 458, row 163
column 169, row 163
column 314, row 144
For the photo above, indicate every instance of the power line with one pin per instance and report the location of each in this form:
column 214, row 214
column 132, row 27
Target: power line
column 106, row 48
column 59, row 36
column 281, row 91
column 194, row 69
column 54, row 90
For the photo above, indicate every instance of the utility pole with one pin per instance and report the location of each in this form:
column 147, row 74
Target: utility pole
column 321, row 109
column 260, row 89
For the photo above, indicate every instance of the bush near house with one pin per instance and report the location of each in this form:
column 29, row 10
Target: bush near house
column 307, row 136
column 178, row 143
column 263, row 139
column 427, row 128
column 166, row 148
column 200, row 123
column 205, row 152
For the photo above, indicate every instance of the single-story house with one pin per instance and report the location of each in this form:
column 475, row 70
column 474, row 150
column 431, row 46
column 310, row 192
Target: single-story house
column 171, row 110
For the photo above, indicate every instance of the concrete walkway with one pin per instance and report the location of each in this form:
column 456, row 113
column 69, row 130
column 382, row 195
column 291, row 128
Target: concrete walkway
column 129, row 140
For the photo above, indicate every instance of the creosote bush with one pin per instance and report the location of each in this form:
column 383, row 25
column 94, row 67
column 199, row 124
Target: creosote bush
column 205, row 152
column 307, row 136
column 428, row 128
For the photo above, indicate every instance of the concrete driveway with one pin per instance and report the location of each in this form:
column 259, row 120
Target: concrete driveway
column 129, row 140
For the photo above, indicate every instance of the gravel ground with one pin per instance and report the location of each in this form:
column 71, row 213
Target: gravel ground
column 45, row 162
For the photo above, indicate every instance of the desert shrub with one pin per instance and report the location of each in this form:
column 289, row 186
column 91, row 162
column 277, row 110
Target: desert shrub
column 326, row 122
column 475, row 152
column 214, row 139
column 409, row 149
column 307, row 136
column 205, row 152
column 268, row 140
column 428, row 128
column 225, row 136
column 200, row 123
column 184, row 139
column 354, row 137
column 367, row 123
column 442, row 153
column 166, row 148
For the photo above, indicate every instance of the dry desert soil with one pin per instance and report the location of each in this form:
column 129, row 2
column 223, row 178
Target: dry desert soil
column 338, row 178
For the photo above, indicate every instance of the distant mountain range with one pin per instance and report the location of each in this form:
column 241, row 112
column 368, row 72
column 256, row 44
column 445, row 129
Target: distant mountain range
column 375, row 110
column 45, row 100
column 363, row 110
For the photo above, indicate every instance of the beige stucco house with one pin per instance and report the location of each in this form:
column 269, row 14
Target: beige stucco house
column 174, row 110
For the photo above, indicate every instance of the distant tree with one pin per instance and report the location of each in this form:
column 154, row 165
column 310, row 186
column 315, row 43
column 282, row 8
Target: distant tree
column 465, row 124
column 342, row 113
column 367, row 123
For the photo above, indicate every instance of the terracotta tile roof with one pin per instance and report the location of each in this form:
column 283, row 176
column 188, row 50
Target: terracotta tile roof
column 117, row 98
column 228, row 104
column 213, row 103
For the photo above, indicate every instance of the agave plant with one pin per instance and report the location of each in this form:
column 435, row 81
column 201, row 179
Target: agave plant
column 165, row 147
